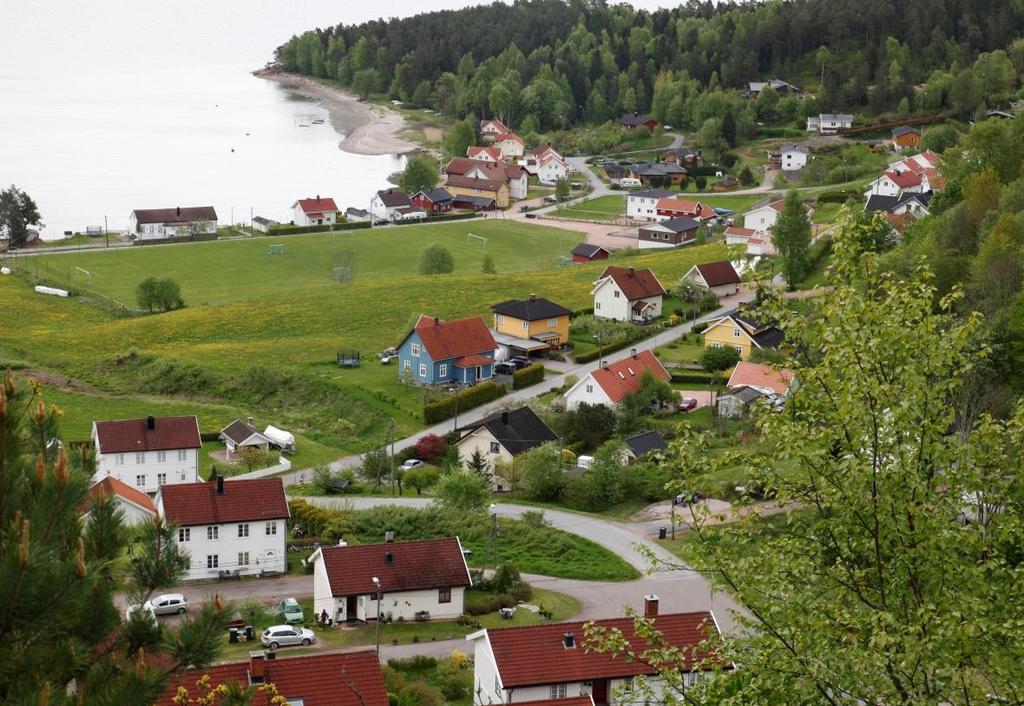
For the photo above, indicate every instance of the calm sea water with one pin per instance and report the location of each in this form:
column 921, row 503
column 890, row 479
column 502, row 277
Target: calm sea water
column 122, row 104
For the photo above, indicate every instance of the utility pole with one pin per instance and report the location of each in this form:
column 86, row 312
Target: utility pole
column 376, row 582
column 391, row 438
column 106, row 231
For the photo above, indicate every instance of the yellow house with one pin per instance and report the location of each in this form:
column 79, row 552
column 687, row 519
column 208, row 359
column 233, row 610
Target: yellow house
column 531, row 324
column 459, row 185
column 739, row 331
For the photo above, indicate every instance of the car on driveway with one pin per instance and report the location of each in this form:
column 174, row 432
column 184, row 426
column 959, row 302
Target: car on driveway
column 504, row 368
column 412, row 463
column 168, row 604
column 520, row 363
column 290, row 609
column 287, row 636
column 687, row 404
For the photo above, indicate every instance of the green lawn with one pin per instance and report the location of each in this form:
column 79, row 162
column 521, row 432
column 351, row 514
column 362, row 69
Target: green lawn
column 603, row 208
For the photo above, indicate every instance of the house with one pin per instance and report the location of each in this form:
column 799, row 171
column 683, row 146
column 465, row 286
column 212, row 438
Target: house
column 631, row 121
column 763, row 218
column 763, row 377
column 669, row 233
column 643, row 205
column 492, row 189
column 385, row 204
column 333, row 679
column 545, row 163
column 585, row 252
column 897, row 183
column 501, row 437
column 737, row 401
column 263, row 225
column 908, row 202
column 490, row 129
column 236, row 525
column 646, row 442
column 756, row 242
column 356, row 215
column 436, row 200
column 136, row 507
column 794, row 157
column 472, row 203
column 536, row 319
column 551, row 661
column 484, row 154
column 829, row 123
column 510, row 145
column 719, row 277
column 667, row 208
column 610, row 384
column 148, row 453
column 742, row 332
column 683, row 156
column 426, row 576
column 628, row 294
column 513, row 175
column 314, row 212
column 239, row 435
column 155, row 223
column 658, row 173
column 437, row 352
column 905, row 137
column 781, row 87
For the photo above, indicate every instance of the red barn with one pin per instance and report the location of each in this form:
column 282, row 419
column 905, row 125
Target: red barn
column 584, row 252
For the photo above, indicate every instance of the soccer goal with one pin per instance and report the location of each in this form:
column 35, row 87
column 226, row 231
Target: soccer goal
column 84, row 273
column 275, row 250
column 342, row 274
column 470, row 238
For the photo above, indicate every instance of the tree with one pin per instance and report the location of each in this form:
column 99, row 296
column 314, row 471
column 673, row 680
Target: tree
column 729, row 127
column 155, row 294
column 17, row 212
column 542, row 473
column 436, row 260
column 506, row 578
column 746, row 176
column 430, row 447
column 462, row 490
column 477, row 463
column 603, row 484
column 376, row 466
column 939, row 138
column 421, row 478
column 715, row 360
column 460, row 138
column 792, row 238
column 365, row 82
column 488, row 267
column 420, row 174
column 562, row 189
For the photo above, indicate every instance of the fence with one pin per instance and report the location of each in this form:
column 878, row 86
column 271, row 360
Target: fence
column 283, row 466
column 40, row 272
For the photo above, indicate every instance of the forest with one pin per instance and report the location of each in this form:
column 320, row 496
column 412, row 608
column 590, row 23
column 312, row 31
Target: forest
column 541, row 65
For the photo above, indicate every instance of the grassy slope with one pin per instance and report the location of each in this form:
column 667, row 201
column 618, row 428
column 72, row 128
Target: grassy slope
column 608, row 207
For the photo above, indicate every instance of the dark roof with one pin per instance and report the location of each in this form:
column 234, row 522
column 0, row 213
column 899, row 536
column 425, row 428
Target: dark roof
column 745, row 394
column 436, row 195
column 357, row 212
column 680, row 152
column 645, row 442
column 238, row 431
column 189, row 504
column 469, row 200
column 904, row 130
column 879, row 202
column 650, row 194
column 465, row 182
column 587, row 250
column 175, row 215
column 128, row 435
column 518, row 430
column 263, row 221
column 648, row 169
column 923, row 197
column 413, row 566
column 334, row 679
column 718, row 273
column 393, row 197
column 635, row 119
column 635, row 284
column 453, row 339
column 681, row 224
column 532, row 309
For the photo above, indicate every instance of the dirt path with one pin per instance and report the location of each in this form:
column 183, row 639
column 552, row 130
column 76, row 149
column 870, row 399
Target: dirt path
column 718, row 512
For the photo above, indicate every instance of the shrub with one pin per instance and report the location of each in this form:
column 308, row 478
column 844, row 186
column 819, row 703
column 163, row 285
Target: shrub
column 717, row 359
column 454, row 680
column 692, row 377
column 699, row 328
column 394, row 681
column 530, row 375
column 436, row 260
column 467, row 399
column 419, row 693
column 506, row 577
column 430, row 447
column 463, row 490
column 296, row 230
column 158, row 294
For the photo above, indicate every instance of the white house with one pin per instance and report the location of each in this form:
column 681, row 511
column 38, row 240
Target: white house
column 155, row 223
column 501, row 437
column 239, row 435
column 148, row 453
column 627, row 294
column 388, row 204
column 829, row 123
column 489, row 153
column 763, row 218
column 490, row 129
column 545, row 163
column 643, row 205
column 611, row 383
column 551, row 661
column 510, row 144
column 794, row 157
column 263, row 225
column 238, row 525
column 315, row 212
column 897, row 183
column 425, row 578
column 719, row 277
column 136, row 507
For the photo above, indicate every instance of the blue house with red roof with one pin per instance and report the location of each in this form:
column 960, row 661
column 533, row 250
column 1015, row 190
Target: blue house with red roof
column 437, row 352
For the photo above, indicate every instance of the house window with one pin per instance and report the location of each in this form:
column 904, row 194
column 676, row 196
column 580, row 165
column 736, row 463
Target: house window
column 182, row 454
column 140, row 481
column 495, row 448
column 161, row 479
column 716, row 344
column 616, row 294
column 119, row 459
column 558, row 691
column 140, row 458
column 243, row 558
column 590, row 388
column 271, row 528
column 184, row 534
column 736, row 333
column 500, row 318
column 597, row 305
column 212, row 561
column 213, row 532
column 526, row 325
column 423, row 370
column 161, row 456
column 444, row 595
column 442, row 369
column 406, row 365
column 415, row 350
column 739, row 349
column 243, row 530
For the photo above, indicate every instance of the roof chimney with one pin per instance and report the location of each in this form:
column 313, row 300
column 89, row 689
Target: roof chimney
column 604, row 363
column 150, row 423
column 318, row 197
column 250, row 421
column 631, row 271
column 389, row 557
column 178, row 210
column 220, row 485
column 437, row 321
column 257, row 667
column 389, row 536
column 533, row 297
column 569, row 640
column 651, row 606
column 632, row 352
column 504, row 417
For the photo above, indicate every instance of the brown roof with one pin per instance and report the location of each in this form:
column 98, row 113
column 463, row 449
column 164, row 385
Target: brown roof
column 454, row 339
column 317, row 205
column 412, row 566
column 110, row 486
column 904, row 179
column 128, row 435
column 622, row 377
column 737, row 230
column 175, row 215
column 492, row 152
column 188, row 504
column 535, row 655
column 470, row 183
column 689, row 208
column 393, row 197
column 509, row 136
column 335, row 679
column 764, row 376
column 495, row 122
column 635, row 284
column 718, row 273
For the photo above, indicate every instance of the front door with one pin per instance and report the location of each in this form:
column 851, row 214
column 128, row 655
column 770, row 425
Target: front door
column 599, row 692
column 350, row 608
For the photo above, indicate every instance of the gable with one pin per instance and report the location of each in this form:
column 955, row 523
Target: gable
column 732, row 323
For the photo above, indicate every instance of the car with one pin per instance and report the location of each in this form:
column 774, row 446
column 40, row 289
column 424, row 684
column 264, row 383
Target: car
column 168, row 604
column 520, row 362
column 412, row 463
column 286, row 636
column 504, row 368
column 381, row 222
column 291, row 610
column 551, row 198
column 531, row 215
column 687, row 404
column 145, row 612
column 629, row 181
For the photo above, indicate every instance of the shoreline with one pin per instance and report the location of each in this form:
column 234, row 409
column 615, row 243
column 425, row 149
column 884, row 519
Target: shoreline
column 364, row 128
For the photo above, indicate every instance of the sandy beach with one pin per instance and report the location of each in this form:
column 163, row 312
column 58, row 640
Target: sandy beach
column 365, row 128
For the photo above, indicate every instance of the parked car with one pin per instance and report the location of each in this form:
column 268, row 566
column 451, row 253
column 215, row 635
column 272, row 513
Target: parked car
column 687, row 404
column 286, row 635
column 551, row 198
column 504, row 368
column 531, row 215
column 520, row 362
column 146, row 612
column 412, row 463
column 291, row 610
column 381, row 222
column 168, row 604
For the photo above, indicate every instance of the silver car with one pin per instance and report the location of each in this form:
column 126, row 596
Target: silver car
column 168, row 604
column 284, row 635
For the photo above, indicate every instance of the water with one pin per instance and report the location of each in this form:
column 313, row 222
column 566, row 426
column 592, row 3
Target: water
column 107, row 107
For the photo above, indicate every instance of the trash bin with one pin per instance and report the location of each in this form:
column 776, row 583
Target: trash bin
column 249, row 632
column 233, row 635
column 662, row 532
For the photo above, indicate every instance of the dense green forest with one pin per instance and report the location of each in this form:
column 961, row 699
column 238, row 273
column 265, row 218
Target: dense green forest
column 549, row 64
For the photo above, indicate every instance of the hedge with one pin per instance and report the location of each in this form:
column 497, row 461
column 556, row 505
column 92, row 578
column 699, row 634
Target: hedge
column 209, row 436
column 198, row 238
column 839, row 196
column 463, row 401
column 603, row 350
column 694, row 377
column 589, row 311
column 699, row 327
column 530, row 375
column 295, row 230
column 435, row 219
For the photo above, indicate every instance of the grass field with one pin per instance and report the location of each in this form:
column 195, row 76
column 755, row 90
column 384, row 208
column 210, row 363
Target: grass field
column 608, row 208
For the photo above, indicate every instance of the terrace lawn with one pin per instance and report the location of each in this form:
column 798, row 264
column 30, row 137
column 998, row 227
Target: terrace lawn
column 603, row 208
column 219, row 272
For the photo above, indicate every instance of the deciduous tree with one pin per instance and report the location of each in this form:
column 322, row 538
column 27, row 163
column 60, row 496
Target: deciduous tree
column 17, row 212
column 420, row 174
column 792, row 238
column 436, row 260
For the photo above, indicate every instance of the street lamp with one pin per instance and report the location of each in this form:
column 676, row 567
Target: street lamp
column 376, row 582
column 600, row 348
column 490, row 539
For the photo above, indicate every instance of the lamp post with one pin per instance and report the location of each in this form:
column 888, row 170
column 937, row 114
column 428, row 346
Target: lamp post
column 600, row 349
column 376, row 582
column 490, row 539
column 675, row 501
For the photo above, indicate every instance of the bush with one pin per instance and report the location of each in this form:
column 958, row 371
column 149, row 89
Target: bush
column 506, row 578
column 693, row 377
column 838, row 196
column 158, row 294
column 462, row 491
column 419, row 693
column 467, row 399
column 602, row 351
column 530, row 375
column 430, row 447
column 436, row 260
column 699, row 328
column 717, row 359
column 296, row 230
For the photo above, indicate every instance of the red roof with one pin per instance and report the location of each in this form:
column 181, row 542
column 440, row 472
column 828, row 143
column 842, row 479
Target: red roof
column 414, row 566
column 495, row 123
column 111, row 486
column 635, row 284
column 622, row 377
column 317, row 205
column 493, row 152
column 454, row 339
column 535, row 655
column 189, row 504
column 904, row 179
column 687, row 208
column 318, row 680
column 738, row 231
column 127, row 435
column 764, row 376
column 718, row 273
column 509, row 136
column 471, row 361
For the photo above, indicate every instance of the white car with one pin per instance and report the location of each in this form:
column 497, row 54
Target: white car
column 146, row 610
column 285, row 635
column 168, row 604
column 412, row 463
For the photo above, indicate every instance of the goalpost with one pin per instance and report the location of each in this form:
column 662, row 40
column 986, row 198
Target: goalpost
column 88, row 275
column 470, row 237
column 275, row 250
